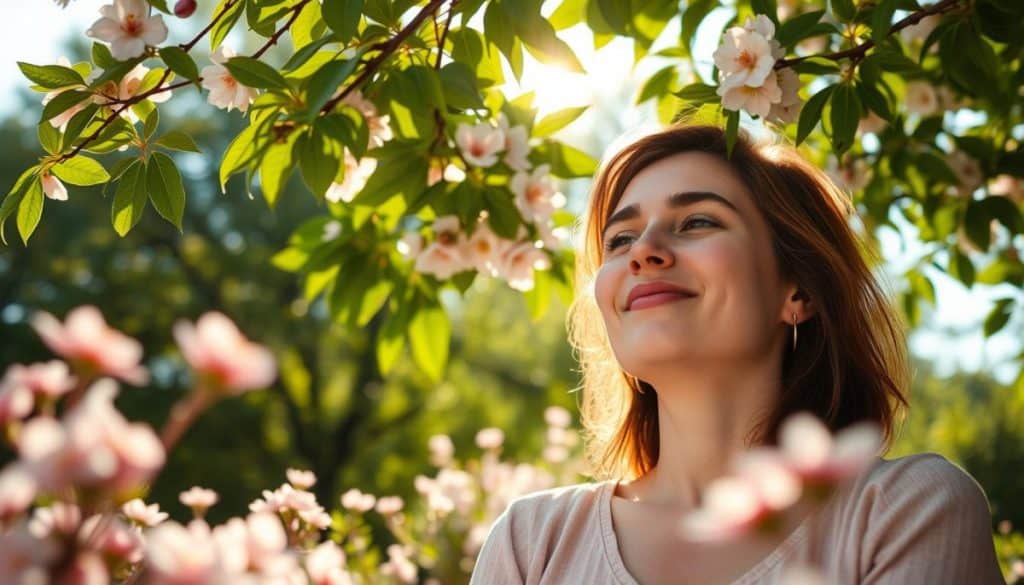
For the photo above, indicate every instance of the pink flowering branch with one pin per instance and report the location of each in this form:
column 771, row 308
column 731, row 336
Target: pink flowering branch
column 857, row 53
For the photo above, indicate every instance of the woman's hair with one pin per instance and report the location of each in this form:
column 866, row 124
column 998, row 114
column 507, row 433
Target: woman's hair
column 850, row 364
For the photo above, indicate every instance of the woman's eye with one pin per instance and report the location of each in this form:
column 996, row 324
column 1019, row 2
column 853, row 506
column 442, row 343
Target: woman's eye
column 697, row 222
column 616, row 241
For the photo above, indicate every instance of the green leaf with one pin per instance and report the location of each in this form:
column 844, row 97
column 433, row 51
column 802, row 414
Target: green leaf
column 471, row 48
column 150, row 124
column 129, row 199
column 874, row 100
column 845, row 116
column 16, row 195
column 391, row 337
column 566, row 161
column 30, row 210
column 658, row 84
column 51, row 76
column 325, row 82
column 276, row 167
column 373, row 298
column 62, row 102
column 976, row 224
column 568, row 13
column 429, row 336
column 77, row 124
column 732, row 127
column 226, row 22
column 101, row 56
column 844, row 10
column 999, row 316
column 81, row 170
column 555, row 121
column 179, row 61
column 177, row 140
column 961, row 267
column 255, row 73
column 238, row 154
column 405, row 174
column 319, row 160
column 795, row 29
column 49, row 137
column 502, row 214
column 698, row 94
column 881, row 19
column 538, row 36
column 308, row 27
column 165, row 188
column 768, row 8
column 343, row 17
column 458, row 83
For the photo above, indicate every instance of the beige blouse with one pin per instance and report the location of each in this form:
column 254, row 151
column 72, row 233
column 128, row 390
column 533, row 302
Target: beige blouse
column 915, row 519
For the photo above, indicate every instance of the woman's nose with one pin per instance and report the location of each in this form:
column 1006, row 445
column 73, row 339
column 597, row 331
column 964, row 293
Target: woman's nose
column 648, row 252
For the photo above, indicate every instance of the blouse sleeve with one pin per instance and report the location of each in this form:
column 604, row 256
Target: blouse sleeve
column 496, row 564
column 931, row 524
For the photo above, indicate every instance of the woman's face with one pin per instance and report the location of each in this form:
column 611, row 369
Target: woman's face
column 689, row 274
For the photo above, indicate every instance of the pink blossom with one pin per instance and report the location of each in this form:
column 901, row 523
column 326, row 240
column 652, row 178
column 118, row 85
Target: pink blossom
column 357, row 173
column 357, row 501
column 536, row 197
column 871, row 123
column 129, row 86
column 452, row 490
column 441, row 450
column 257, row 545
column 410, row 245
column 518, row 262
column 325, row 565
column 16, row 403
column 380, row 130
column 480, row 144
column 59, row 520
column 112, row 537
column 61, row 120
column 225, row 91
column 85, row 339
column 137, row 511
column 490, row 438
column 967, row 171
column 177, row 555
column 47, row 381
column 222, row 356
column 557, row 416
column 24, row 558
column 787, row 110
column 483, row 249
column 198, row 499
column 389, row 505
column 52, row 186
column 811, row 451
column 745, row 58
column 94, row 446
column 301, row 479
column 445, row 256
column 17, row 491
column 921, row 98
column 757, row 100
column 398, row 565
column 128, row 28
column 88, row 568
column 517, row 146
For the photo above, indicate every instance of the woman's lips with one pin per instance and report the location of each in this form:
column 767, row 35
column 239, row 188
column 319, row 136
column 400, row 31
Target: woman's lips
column 655, row 299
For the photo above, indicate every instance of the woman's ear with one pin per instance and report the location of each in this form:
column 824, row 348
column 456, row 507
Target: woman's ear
column 797, row 303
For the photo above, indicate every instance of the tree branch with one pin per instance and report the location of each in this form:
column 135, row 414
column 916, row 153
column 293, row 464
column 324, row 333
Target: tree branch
column 386, row 49
column 857, row 53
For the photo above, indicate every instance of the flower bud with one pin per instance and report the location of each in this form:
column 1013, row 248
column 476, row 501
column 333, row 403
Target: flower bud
column 184, row 8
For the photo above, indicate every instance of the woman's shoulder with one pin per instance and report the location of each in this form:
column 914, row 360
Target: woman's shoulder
column 556, row 504
column 930, row 473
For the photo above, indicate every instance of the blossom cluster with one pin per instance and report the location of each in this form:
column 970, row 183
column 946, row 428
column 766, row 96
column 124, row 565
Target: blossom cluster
column 80, row 458
column 746, row 60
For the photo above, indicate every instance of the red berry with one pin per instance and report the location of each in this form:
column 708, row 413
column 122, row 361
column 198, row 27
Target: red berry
column 184, row 8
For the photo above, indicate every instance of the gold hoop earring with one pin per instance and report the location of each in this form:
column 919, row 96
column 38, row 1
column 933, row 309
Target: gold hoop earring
column 794, row 331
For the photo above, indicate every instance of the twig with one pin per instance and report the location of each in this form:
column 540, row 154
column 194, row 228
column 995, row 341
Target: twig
column 277, row 34
column 444, row 33
column 857, row 53
column 386, row 49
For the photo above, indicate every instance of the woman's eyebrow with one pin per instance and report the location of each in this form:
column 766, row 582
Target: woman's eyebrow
column 681, row 199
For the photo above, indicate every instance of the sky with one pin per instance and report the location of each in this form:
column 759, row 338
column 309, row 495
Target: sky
column 37, row 30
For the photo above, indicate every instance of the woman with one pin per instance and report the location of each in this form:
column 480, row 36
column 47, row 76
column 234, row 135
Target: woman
column 720, row 294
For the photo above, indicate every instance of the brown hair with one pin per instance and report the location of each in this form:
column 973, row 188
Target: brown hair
column 851, row 363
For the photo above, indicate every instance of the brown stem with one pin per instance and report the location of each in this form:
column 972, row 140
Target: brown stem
column 295, row 10
column 386, row 49
column 444, row 33
column 183, row 414
column 213, row 22
column 857, row 53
